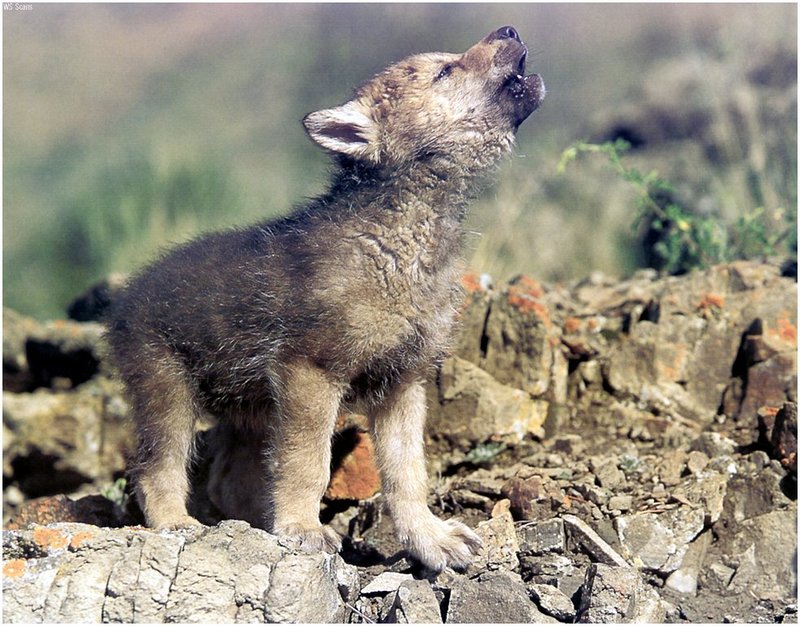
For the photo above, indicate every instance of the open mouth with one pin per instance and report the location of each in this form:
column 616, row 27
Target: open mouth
column 515, row 80
column 521, row 63
column 525, row 92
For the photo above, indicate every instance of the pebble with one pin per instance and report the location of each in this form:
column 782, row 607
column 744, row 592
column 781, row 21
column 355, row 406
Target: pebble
column 591, row 542
column 721, row 573
column 620, row 503
column 416, row 603
column 617, row 594
column 386, row 582
column 553, row 602
column 541, row 537
column 697, row 461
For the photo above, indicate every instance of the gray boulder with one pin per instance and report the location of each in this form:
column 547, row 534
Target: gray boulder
column 230, row 573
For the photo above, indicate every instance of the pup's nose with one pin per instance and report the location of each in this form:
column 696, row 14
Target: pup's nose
column 506, row 32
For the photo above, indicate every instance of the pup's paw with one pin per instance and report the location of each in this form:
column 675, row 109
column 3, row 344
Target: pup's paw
column 438, row 544
column 310, row 538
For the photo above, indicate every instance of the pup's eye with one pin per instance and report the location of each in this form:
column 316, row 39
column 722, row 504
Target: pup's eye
column 444, row 72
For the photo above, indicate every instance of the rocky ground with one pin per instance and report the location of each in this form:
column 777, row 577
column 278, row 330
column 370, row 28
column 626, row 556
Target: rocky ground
column 626, row 450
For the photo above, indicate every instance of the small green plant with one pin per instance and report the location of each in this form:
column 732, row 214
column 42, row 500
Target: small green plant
column 674, row 239
column 116, row 492
column 752, row 237
column 485, row 452
column 630, row 464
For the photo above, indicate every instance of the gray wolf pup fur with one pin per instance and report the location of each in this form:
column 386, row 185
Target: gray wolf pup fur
column 350, row 299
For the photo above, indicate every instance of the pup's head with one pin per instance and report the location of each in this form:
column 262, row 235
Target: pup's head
column 457, row 106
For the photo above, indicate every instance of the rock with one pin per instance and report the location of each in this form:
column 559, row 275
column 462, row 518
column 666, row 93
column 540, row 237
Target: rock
column 472, row 320
column 467, row 498
column 746, row 570
column 770, row 383
column 784, row 436
column 64, row 352
column 706, row 491
column 679, row 356
column 658, row 542
column 415, row 603
column 57, row 441
column 539, row 538
column 484, row 482
column 568, row 443
column 16, row 330
column 500, row 546
column 347, row 579
column 553, row 602
column 721, row 574
column 527, row 497
column 593, row 493
column 621, row 503
column 372, row 532
column 759, row 459
column 767, row 361
column 697, row 461
column 659, row 355
column 751, row 495
column 514, row 342
column 493, row 597
column 684, row 579
column 671, row 467
column 617, row 594
column 231, row 573
column 296, row 579
column 95, row 510
column 767, row 561
column 565, row 573
column 607, row 473
column 355, row 474
column 580, row 532
column 139, row 587
column 385, row 582
column 714, row 445
column 469, row 406
column 500, row 507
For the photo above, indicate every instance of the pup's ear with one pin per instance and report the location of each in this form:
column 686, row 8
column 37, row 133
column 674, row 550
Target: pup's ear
column 345, row 129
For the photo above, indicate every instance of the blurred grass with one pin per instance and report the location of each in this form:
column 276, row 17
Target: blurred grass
column 129, row 127
column 132, row 209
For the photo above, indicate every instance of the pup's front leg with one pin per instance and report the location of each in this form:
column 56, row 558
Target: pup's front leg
column 398, row 428
column 300, row 461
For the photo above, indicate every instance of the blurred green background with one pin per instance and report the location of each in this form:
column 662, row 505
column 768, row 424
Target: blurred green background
column 130, row 127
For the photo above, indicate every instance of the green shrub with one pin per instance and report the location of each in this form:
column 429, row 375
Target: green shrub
column 673, row 238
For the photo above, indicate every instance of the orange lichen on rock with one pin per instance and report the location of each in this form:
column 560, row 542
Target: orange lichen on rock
column 471, row 282
column 49, row 538
column 572, row 325
column 787, row 331
column 529, row 286
column 768, row 411
column 80, row 538
column 711, row 301
column 525, row 301
column 14, row 568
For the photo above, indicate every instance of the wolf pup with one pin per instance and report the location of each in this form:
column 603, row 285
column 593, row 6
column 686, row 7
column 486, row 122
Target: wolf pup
column 275, row 327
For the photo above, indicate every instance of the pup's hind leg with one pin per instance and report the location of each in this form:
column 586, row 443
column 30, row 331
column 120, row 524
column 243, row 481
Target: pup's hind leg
column 165, row 411
column 300, row 462
column 238, row 480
